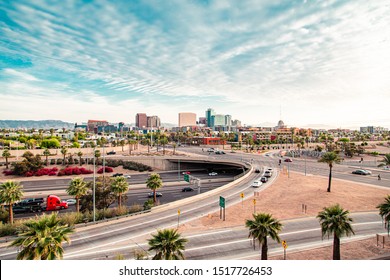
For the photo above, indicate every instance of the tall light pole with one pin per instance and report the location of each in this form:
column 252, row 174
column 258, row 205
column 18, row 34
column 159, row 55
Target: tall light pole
column 94, row 185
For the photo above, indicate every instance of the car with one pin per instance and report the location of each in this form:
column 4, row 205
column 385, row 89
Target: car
column 213, row 174
column 256, row 184
column 257, row 170
column 288, row 160
column 158, row 194
column 210, row 150
column 187, row 189
column 117, row 174
column 219, row 152
column 386, row 167
column 267, row 173
column 111, row 153
column 127, row 176
column 361, row 172
column 186, row 172
column 263, row 179
column 71, row 201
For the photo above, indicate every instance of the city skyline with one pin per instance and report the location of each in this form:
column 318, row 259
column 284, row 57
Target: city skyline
column 309, row 63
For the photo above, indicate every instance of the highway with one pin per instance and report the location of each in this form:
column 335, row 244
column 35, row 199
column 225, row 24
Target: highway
column 106, row 240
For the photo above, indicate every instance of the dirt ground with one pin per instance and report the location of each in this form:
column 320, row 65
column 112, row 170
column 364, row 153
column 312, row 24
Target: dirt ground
column 284, row 199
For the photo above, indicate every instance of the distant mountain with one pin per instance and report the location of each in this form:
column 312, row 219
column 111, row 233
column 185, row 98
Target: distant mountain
column 44, row 124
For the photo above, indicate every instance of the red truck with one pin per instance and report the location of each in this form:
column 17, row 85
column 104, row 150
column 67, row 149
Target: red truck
column 54, row 203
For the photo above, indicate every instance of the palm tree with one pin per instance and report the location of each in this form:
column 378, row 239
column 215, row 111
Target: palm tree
column 154, row 182
column 119, row 186
column 122, row 143
column 163, row 142
column 80, row 154
column 168, row 245
column 262, row 226
column 385, row 161
column 43, row 239
column 10, row 192
column 6, row 154
column 64, row 151
column 384, row 211
column 335, row 219
column 174, row 148
column 77, row 188
column 330, row 158
column 46, row 153
column 97, row 155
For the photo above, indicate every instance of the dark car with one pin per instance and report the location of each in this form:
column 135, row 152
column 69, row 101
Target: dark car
column 267, row 174
column 263, row 179
column 111, row 153
column 187, row 189
column 219, row 152
column 158, row 194
column 117, row 174
column 361, row 172
column 257, row 170
column 288, row 160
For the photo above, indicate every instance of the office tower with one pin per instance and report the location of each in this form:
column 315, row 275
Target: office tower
column 141, row 120
column 187, row 119
column 209, row 113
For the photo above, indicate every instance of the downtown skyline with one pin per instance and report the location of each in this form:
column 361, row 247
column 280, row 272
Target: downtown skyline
column 309, row 63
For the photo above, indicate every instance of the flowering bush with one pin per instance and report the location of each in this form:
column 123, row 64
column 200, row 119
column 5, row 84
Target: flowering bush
column 107, row 170
column 74, row 171
column 8, row 172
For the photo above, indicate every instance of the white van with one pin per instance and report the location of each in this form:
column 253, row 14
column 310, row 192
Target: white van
column 256, row 184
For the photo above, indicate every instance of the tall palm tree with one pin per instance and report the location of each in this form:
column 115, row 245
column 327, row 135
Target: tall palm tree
column 168, row 245
column 163, row 142
column 77, row 188
column 154, row 182
column 262, row 226
column 46, row 153
column 10, row 192
column 43, row 239
column 119, row 186
column 384, row 211
column 335, row 220
column 6, row 154
column 330, row 158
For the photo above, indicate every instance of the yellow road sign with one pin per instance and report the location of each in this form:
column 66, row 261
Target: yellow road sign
column 242, row 195
column 254, row 201
column 284, row 244
column 178, row 212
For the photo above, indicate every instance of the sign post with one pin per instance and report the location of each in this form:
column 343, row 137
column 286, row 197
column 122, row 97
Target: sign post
column 222, row 205
column 254, row 206
column 284, row 244
column 242, row 200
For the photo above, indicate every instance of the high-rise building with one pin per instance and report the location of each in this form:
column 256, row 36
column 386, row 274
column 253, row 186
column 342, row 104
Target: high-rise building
column 187, row 119
column 153, row 122
column 209, row 113
column 217, row 120
column 228, row 121
column 141, row 120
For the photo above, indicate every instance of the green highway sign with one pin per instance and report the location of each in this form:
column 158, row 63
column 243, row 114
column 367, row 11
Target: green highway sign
column 186, row 177
column 222, row 202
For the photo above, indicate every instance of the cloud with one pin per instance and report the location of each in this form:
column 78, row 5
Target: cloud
column 190, row 53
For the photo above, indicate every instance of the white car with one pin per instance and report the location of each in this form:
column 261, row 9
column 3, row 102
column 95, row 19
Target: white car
column 256, row 184
column 213, row 174
column 127, row 176
column 386, row 167
column 71, row 201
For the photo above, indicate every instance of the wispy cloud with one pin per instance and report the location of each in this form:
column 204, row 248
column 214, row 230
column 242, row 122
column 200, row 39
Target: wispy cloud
column 235, row 56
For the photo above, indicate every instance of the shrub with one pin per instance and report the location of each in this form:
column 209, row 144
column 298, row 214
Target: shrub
column 8, row 172
column 59, row 161
column 74, row 171
column 71, row 218
column 106, row 169
column 52, row 161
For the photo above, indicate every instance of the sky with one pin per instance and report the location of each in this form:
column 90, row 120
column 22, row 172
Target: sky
column 310, row 63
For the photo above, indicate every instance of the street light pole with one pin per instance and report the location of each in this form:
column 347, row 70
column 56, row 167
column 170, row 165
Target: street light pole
column 94, row 185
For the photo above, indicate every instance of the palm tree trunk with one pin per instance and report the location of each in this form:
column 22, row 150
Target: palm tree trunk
column 120, row 200
column 77, row 205
column 330, row 178
column 6, row 162
column 336, row 248
column 264, row 250
column 154, row 197
column 11, row 217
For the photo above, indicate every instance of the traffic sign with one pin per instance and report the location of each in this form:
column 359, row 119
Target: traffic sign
column 222, row 202
column 242, row 195
column 254, row 201
column 284, row 244
column 186, row 177
column 178, row 212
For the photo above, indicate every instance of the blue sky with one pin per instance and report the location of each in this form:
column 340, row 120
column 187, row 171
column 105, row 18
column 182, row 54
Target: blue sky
column 308, row 62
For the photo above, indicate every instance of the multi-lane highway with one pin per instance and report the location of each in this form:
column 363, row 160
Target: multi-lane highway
column 106, row 240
